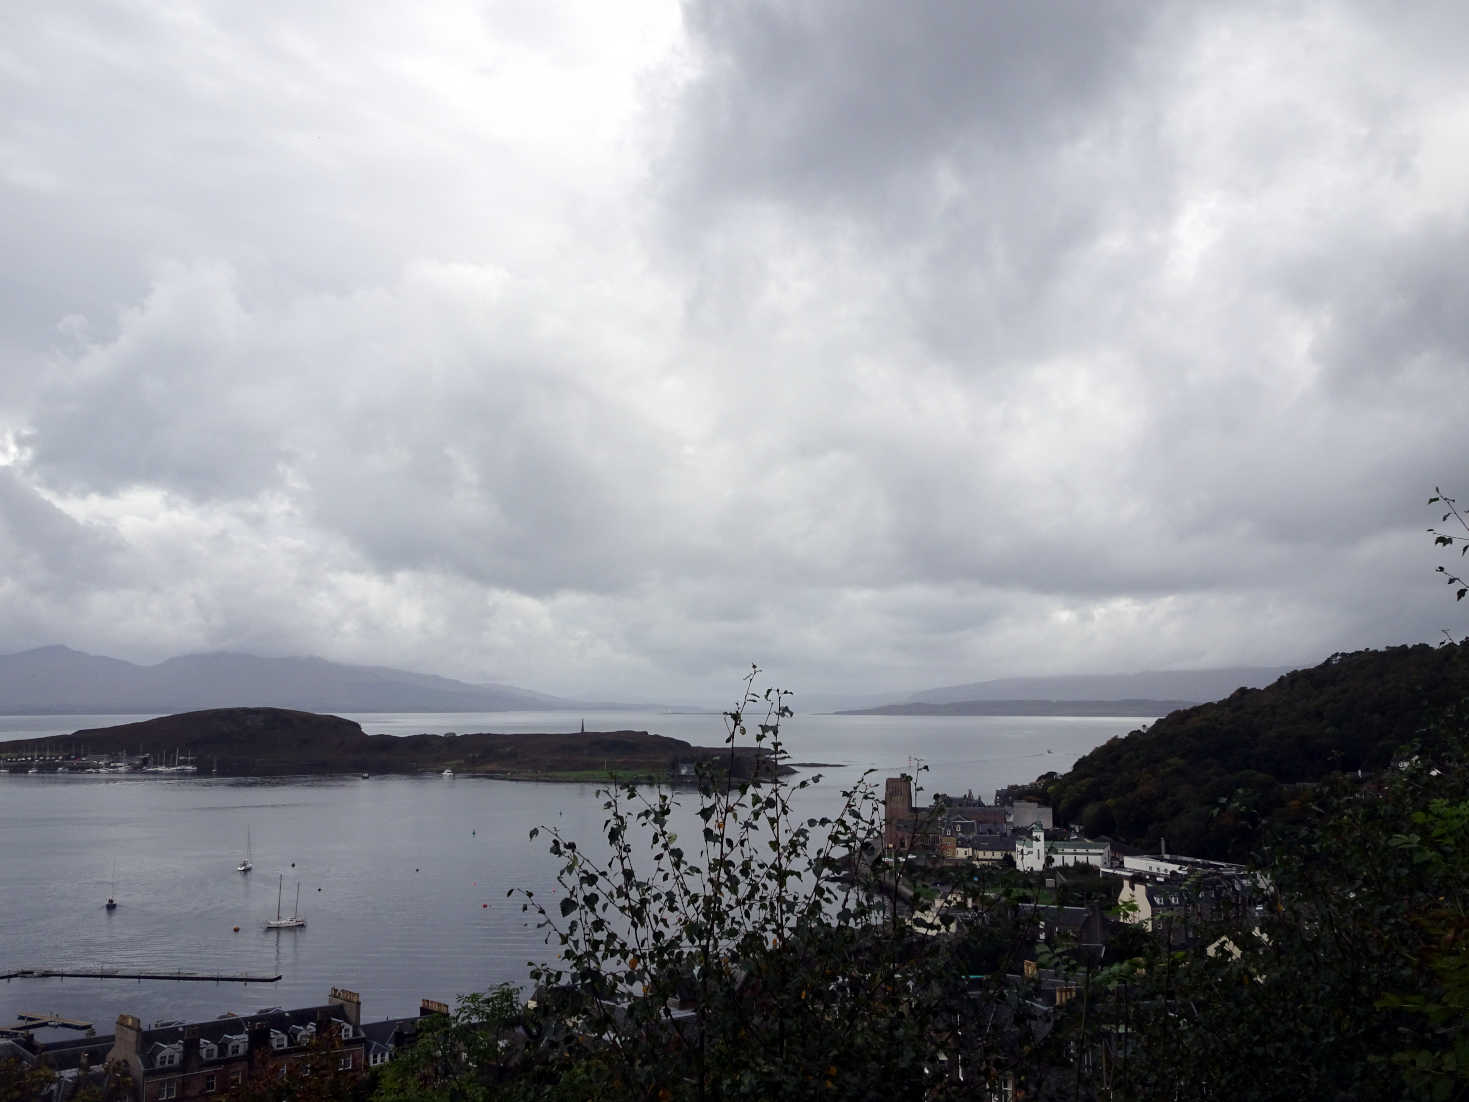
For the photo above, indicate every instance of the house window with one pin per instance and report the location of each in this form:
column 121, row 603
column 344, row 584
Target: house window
column 237, row 1047
column 278, row 1040
column 378, row 1058
column 208, row 1050
column 209, row 1084
column 345, row 1063
column 167, row 1059
column 346, row 1031
column 169, row 1089
column 236, row 1078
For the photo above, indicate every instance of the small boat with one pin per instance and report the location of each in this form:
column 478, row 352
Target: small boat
column 245, row 864
column 295, row 922
column 448, row 772
column 112, row 899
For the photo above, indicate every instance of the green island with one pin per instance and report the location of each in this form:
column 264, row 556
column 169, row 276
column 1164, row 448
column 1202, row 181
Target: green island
column 268, row 742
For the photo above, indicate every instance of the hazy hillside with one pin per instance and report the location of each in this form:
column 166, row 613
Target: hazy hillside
column 1195, row 686
column 58, row 680
column 1132, row 708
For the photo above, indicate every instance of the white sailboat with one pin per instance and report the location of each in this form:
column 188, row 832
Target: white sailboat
column 295, row 921
column 245, row 864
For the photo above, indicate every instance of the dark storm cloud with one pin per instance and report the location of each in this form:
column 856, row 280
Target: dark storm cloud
column 826, row 99
column 889, row 346
column 1196, row 332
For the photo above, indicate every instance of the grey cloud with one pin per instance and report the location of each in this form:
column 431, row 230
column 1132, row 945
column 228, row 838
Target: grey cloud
column 169, row 402
column 476, row 447
column 825, row 99
column 884, row 346
column 44, row 550
column 1398, row 314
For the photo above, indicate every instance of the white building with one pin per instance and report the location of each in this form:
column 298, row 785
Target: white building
column 1037, row 853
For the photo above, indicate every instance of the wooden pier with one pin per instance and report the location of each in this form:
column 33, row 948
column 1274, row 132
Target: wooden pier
column 120, row 974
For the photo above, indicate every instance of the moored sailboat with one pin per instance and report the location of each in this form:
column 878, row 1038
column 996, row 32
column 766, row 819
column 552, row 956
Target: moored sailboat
column 295, row 921
column 245, row 864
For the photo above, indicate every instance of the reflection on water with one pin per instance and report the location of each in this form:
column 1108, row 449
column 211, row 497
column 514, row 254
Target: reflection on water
column 403, row 879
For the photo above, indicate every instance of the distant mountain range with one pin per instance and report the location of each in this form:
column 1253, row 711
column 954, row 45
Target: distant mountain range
column 59, row 680
column 1174, row 686
column 1137, row 708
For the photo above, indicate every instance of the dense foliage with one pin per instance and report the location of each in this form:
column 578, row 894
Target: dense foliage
column 730, row 964
column 1355, row 983
column 1204, row 779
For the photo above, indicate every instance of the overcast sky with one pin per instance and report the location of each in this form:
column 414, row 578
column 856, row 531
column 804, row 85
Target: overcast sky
column 604, row 348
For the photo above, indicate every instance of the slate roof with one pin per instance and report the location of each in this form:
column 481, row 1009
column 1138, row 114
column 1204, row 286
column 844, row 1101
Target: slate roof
column 298, row 1026
column 391, row 1032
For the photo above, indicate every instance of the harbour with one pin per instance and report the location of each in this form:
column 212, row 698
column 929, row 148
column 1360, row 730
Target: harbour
column 403, row 878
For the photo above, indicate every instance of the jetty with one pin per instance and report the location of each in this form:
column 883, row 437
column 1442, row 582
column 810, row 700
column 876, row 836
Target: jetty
column 120, row 974
column 25, row 1022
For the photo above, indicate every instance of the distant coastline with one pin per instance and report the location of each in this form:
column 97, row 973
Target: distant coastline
column 1140, row 707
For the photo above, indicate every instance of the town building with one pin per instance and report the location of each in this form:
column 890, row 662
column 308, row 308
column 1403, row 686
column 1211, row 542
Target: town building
column 1180, row 898
column 951, row 827
column 1038, row 853
column 200, row 1060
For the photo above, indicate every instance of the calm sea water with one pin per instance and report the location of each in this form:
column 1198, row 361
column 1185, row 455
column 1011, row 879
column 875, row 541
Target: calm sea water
column 402, row 879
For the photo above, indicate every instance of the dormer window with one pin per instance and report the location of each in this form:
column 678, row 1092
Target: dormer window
column 278, row 1039
column 208, row 1050
column 237, row 1045
column 168, row 1057
column 346, row 1031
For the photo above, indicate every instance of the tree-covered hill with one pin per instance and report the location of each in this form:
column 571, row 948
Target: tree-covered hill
column 1204, row 778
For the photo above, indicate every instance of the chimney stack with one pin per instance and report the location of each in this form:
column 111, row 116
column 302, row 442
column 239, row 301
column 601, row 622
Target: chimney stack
column 350, row 1002
column 126, row 1040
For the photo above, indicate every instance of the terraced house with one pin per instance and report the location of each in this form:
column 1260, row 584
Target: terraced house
column 203, row 1059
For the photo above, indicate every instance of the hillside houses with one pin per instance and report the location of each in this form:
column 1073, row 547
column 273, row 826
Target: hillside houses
column 1158, row 892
